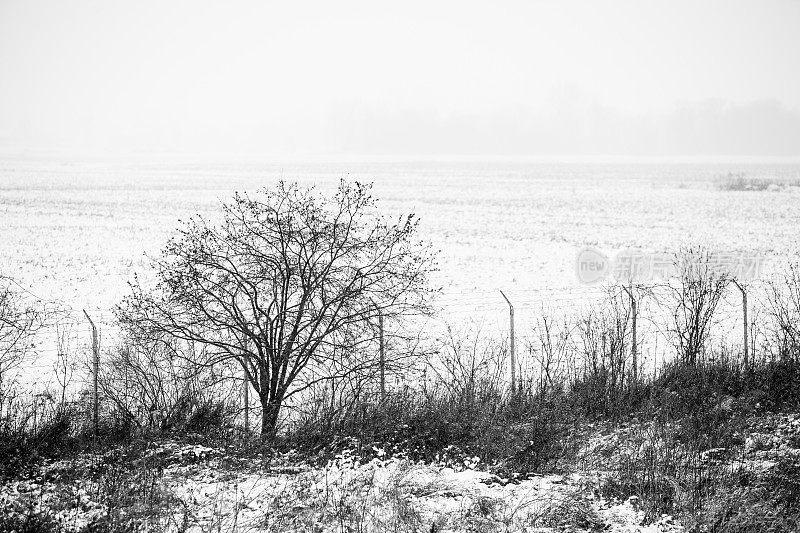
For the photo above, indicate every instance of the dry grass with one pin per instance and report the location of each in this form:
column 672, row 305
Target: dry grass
column 742, row 182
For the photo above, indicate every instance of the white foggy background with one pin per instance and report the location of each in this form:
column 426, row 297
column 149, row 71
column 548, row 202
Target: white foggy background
column 270, row 79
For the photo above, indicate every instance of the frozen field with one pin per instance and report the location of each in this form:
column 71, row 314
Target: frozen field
column 77, row 231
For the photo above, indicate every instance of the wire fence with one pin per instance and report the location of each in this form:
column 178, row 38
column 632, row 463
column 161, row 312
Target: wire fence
column 484, row 309
column 60, row 363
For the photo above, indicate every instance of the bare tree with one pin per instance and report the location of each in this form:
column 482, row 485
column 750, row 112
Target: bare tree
column 469, row 362
column 551, row 349
column 20, row 319
column 286, row 285
column 153, row 384
column 65, row 364
column 783, row 310
column 695, row 296
column 604, row 340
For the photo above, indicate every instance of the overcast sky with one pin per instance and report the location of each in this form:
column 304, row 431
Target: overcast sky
column 406, row 78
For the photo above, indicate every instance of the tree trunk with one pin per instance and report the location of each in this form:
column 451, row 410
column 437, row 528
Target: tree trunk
column 269, row 417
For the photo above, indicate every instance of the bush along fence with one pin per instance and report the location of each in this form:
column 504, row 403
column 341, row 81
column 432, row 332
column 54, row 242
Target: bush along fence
column 603, row 343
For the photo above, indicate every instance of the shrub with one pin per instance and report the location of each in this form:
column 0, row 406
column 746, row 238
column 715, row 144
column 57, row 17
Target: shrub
column 55, row 435
column 750, row 502
column 512, row 434
column 27, row 521
column 741, row 182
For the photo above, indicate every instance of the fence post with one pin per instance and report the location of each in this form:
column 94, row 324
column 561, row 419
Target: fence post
column 246, row 405
column 511, row 343
column 634, row 346
column 35, row 411
column 245, row 387
column 96, row 353
column 746, row 344
column 382, row 356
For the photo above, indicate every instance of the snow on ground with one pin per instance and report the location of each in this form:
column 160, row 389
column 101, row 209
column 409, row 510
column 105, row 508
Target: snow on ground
column 394, row 494
column 172, row 486
column 201, row 489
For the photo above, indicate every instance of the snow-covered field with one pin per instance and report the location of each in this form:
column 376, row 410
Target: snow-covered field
column 77, row 231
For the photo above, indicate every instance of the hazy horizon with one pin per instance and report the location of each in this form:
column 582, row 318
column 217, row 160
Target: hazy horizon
column 524, row 79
